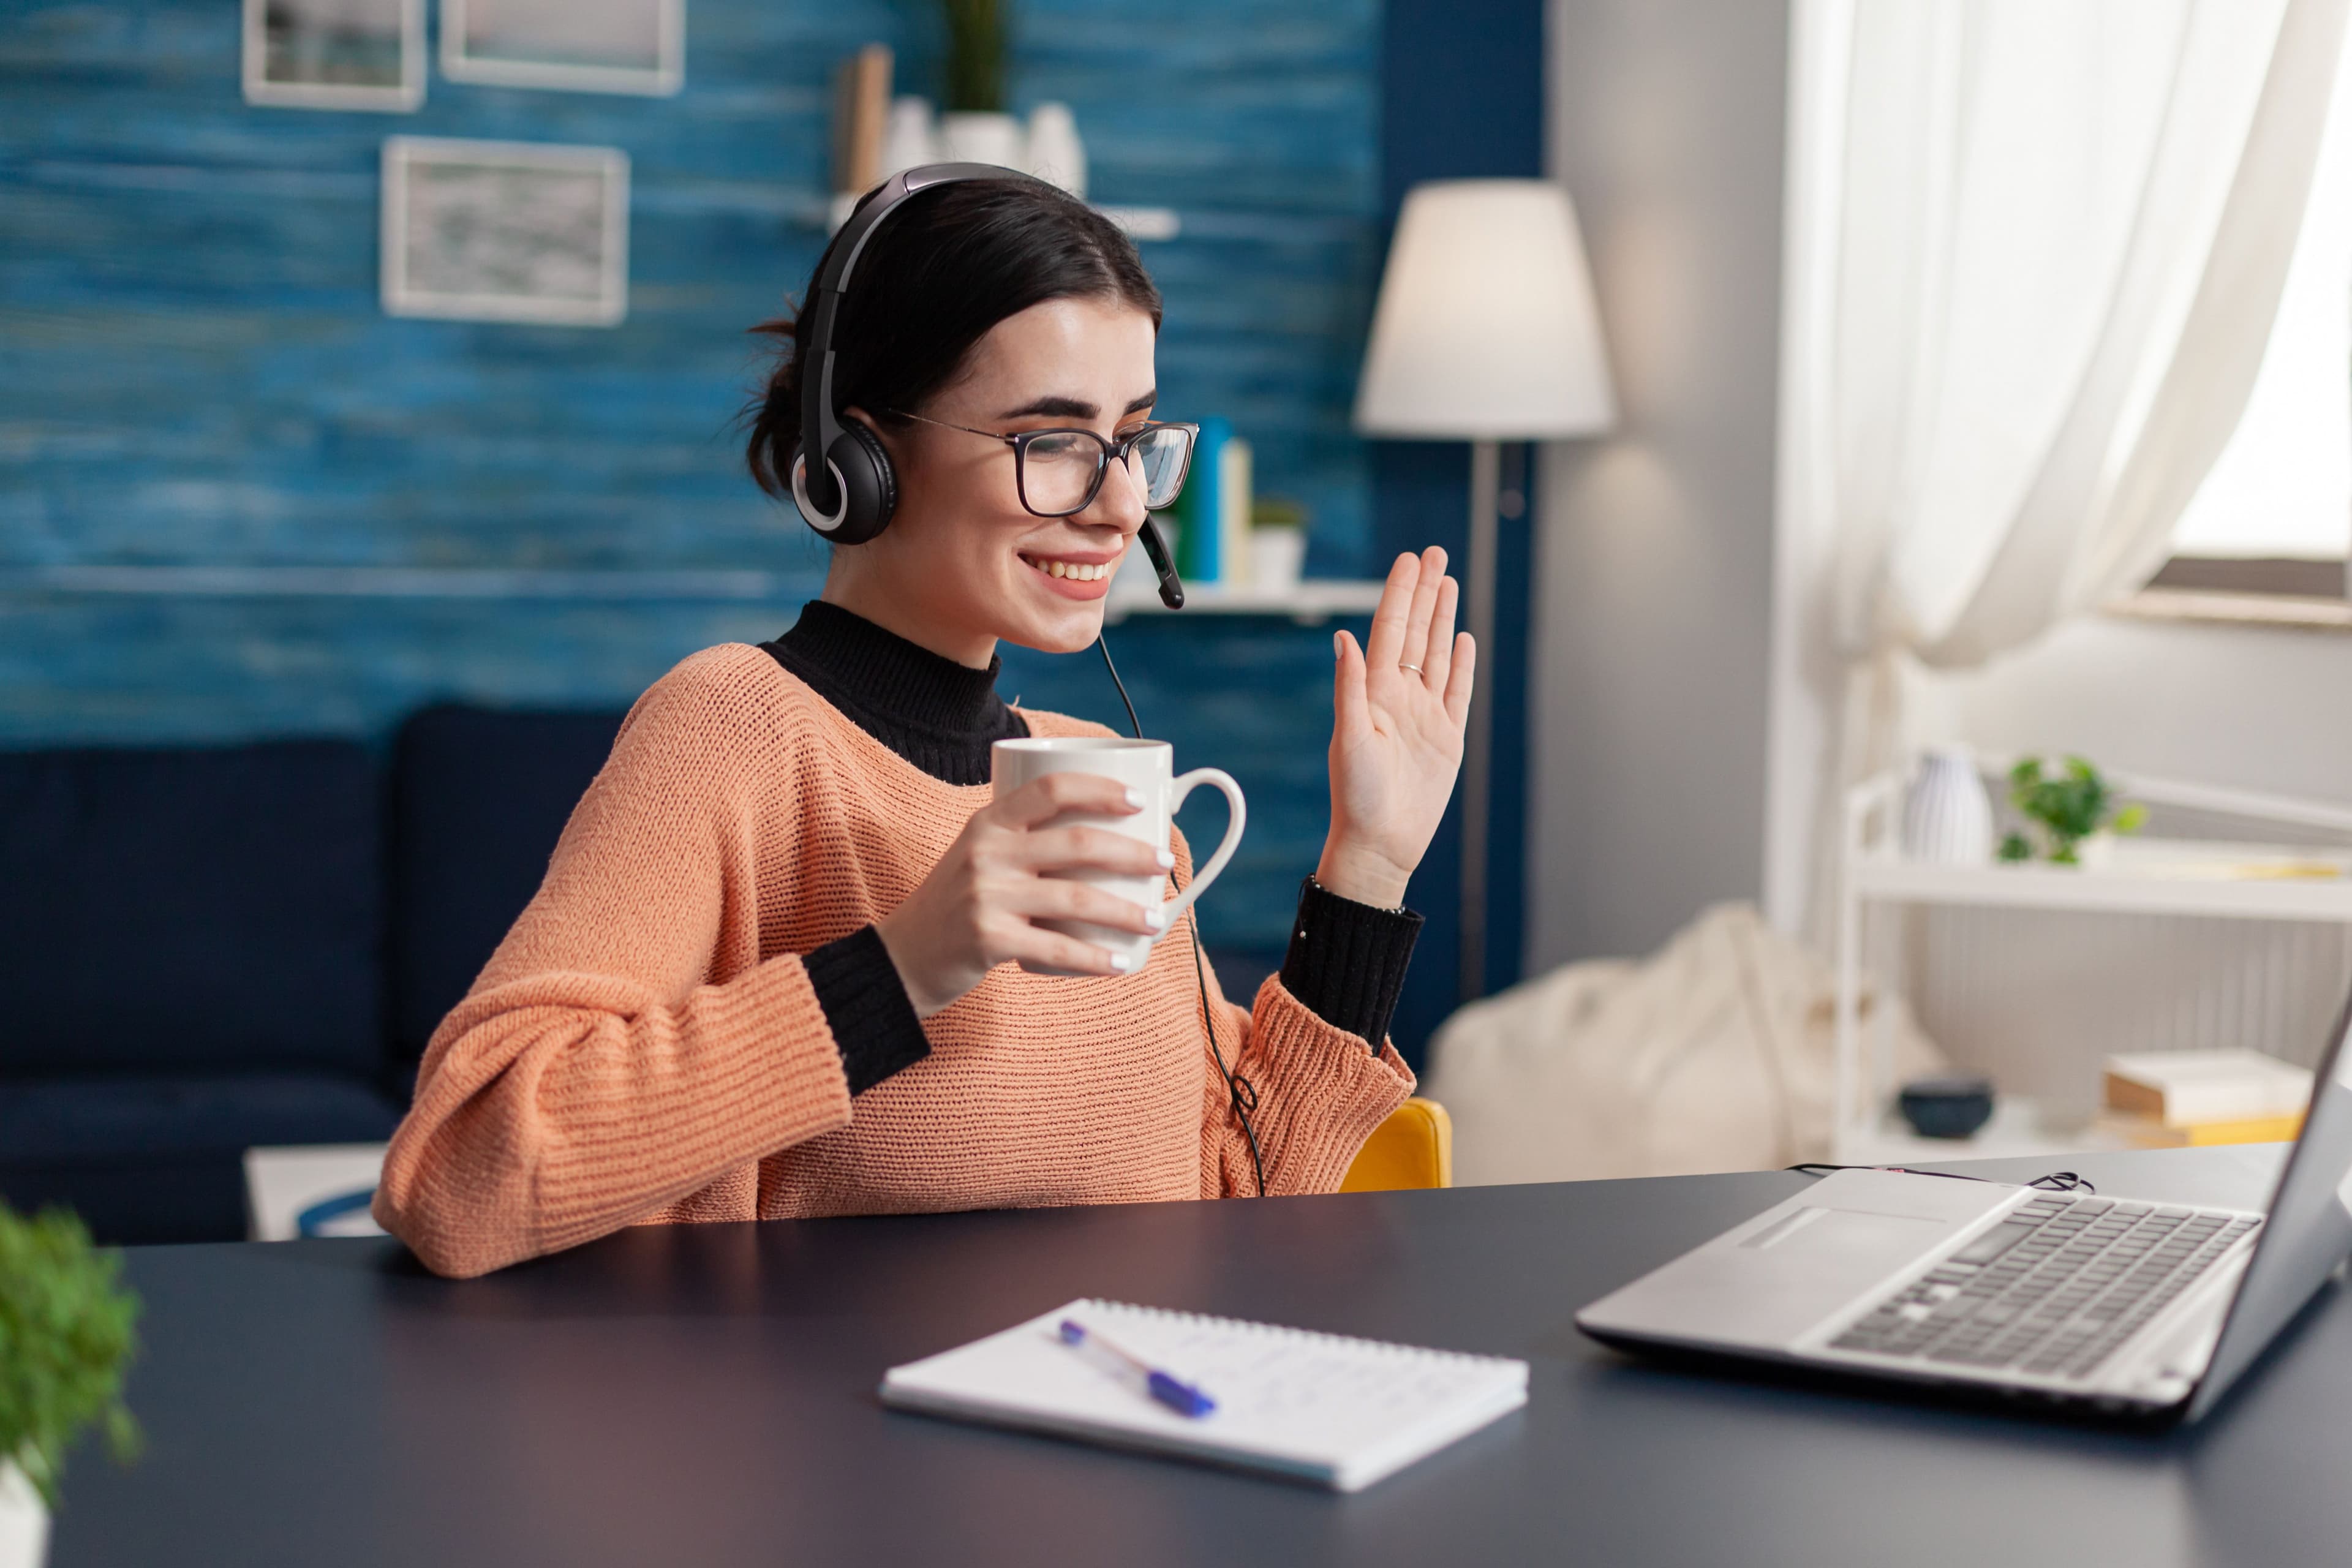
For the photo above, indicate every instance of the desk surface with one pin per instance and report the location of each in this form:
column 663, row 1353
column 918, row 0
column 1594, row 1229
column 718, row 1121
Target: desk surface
column 704, row 1395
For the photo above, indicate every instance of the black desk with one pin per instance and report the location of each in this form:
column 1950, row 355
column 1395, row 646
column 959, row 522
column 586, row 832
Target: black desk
column 703, row 1396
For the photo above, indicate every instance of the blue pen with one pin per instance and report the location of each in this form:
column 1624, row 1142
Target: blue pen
column 1174, row 1391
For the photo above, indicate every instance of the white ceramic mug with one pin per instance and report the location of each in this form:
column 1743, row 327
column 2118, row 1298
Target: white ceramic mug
column 1146, row 767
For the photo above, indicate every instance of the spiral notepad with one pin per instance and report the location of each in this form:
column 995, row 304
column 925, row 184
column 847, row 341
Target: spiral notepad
column 1318, row 1408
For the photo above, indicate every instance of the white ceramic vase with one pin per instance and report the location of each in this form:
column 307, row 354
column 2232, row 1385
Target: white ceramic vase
column 910, row 140
column 967, row 137
column 23, row 1520
column 1276, row 556
column 1946, row 815
column 2096, row 853
column 1055, row 153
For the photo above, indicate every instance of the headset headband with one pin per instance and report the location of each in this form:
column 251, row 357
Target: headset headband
column 820, row 428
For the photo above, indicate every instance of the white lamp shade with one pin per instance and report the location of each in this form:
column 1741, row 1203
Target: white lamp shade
column 1486, row 328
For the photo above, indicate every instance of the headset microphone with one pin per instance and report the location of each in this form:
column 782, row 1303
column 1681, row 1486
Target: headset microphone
column 1155, row 550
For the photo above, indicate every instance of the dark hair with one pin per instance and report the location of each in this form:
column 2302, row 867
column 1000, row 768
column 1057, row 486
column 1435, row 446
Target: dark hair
column 949, row 264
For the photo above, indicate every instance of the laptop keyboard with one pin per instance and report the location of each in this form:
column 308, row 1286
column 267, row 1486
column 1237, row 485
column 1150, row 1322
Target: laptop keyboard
column 2053, row 1290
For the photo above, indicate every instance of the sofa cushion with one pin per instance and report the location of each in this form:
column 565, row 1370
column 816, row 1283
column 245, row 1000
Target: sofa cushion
column 147, row 1158
column 190, row 909
column 478, row 798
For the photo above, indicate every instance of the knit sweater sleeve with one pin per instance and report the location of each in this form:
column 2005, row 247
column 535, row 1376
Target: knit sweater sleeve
column 1313, row 1093
column 626, row 1047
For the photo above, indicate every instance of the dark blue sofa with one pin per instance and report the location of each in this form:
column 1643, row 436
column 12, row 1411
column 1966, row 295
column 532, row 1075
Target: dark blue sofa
column 206, row 949
column 203, row 950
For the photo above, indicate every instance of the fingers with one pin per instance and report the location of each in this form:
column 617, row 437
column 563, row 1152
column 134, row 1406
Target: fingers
column 1438, row 664
column 1350, row 708
column 1461, row 679
column 1390, row 621
column 1042, row 800
column 1423, row 611
column 1089, row 849
column 1053, row 898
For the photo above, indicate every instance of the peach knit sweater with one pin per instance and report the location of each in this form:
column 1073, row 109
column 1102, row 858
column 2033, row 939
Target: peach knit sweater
column 646, row 1045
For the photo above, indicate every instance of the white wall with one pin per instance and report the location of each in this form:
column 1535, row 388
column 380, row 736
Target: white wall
column 1652, row 619
column 2255, row 708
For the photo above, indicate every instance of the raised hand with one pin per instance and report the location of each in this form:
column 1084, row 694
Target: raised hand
column 1399, row 708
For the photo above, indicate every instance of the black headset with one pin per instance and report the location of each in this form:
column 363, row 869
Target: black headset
column 849, row 497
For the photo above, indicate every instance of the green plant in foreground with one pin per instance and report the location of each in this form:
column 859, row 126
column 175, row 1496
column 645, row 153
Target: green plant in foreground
column 65, row 1335
column 2067, row 809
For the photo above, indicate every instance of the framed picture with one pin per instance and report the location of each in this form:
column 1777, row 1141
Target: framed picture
column 335, row 54
column 583, row 46
column 506, row 231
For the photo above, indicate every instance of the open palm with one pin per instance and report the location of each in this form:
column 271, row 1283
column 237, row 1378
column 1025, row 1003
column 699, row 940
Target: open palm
column 1399, row 708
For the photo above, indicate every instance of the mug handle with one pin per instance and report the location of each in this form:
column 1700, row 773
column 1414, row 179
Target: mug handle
column 1205, row 875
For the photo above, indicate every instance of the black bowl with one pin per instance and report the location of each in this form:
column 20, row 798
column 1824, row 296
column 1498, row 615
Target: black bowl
column 1952, row 1106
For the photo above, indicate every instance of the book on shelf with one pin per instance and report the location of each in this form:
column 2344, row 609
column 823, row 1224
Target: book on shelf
column 2201, row 1089
column 2148, row 1133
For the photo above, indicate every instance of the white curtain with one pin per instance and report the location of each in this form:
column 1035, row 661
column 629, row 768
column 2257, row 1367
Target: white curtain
column 2036, row 249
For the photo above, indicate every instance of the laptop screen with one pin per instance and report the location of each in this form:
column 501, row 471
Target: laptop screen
column 2309, row 1231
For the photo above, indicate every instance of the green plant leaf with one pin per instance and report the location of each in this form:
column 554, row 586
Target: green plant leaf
column 2015, row 847
column 67, row 1334
column 2130, row 820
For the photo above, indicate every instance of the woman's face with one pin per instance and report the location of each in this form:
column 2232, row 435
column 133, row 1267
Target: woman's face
column 963, row 563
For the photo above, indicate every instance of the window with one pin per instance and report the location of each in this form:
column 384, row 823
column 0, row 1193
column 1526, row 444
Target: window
column 2275, row 514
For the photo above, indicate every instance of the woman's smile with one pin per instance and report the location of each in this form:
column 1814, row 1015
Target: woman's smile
column 1076, row 573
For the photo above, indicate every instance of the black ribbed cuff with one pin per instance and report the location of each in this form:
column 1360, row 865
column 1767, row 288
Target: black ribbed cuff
column 865, row 1006
column 1346, row 961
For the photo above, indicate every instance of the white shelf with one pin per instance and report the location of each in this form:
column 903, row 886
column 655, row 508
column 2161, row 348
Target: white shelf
column 1313, row 600
column 2018, row 1130
column 1142, row 225
column 2307, row 882
column 1145, row 224
column 2151, row 888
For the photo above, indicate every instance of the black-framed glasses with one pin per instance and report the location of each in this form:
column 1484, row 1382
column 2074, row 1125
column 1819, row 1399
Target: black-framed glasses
column 1060, row 472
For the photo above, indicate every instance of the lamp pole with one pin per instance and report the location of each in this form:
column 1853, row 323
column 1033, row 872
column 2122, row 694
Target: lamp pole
column 1486, row 330
column 1477, row 756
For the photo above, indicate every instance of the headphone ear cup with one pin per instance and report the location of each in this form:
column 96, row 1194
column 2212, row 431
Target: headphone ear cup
column 869, row 484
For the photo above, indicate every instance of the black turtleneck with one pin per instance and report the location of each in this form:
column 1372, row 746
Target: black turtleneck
column 1346, row 963
column 940, row 715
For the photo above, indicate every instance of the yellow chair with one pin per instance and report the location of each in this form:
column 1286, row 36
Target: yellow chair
column 1413, row 1148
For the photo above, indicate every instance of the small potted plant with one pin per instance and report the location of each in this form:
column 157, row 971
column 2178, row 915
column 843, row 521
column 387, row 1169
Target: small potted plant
column 2071, row 812
column 1277, row 545
column 976, row 129
column 65, row 1339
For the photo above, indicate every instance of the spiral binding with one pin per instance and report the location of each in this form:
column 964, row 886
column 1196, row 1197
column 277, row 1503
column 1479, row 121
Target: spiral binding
column 1387, row 1348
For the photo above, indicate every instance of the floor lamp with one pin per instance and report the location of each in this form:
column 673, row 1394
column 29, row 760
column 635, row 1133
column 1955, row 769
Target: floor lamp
column 1485, row 331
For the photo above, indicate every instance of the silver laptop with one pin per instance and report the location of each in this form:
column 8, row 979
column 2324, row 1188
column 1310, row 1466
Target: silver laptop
column 2126, row 1306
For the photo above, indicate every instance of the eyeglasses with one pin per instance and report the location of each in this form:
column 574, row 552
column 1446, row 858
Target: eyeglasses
column 1060, row 472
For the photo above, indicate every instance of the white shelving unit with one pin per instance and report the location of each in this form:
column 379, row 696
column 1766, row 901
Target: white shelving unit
column 2212, row 879
column 1309, row 602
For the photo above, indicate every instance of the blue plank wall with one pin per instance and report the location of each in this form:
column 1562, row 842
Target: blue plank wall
column 237, row 501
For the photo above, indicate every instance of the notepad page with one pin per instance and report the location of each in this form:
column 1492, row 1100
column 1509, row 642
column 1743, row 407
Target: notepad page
column 1341, row 1411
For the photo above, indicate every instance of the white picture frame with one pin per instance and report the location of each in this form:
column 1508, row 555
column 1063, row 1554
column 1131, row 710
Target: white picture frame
column 571, row 46
column 505, row 231
column 324, row 64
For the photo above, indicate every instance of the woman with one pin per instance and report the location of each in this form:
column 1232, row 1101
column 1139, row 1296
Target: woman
column 771, row 968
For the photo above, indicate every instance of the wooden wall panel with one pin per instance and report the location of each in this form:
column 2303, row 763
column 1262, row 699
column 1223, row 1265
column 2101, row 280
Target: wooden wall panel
column 194, row 374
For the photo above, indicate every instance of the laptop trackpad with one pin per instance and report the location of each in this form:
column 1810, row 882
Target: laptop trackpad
column 1812, row 1232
